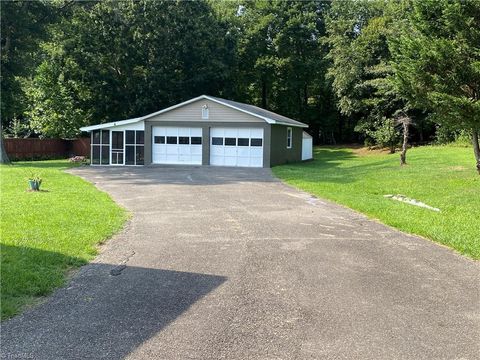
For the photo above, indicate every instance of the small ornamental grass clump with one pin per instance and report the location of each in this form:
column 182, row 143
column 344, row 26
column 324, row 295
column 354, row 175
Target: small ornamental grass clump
column 34, row 182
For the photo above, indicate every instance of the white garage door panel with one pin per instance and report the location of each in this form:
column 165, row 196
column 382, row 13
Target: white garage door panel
column 246, row 133
column 172, row 131
column 243, row 151
column 176, row 153
column 227, row 155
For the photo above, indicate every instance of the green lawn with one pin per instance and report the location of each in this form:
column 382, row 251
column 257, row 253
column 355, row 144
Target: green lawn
column 440, row 176
column 45, row 234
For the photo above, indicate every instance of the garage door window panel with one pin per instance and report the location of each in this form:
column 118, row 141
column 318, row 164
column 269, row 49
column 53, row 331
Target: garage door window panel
column 230, row 142
column 256, row 142
column 171, row 140
column 159, row 139
column 243, row 141
column 217, row 141
column 196, row 140
column 183, row 140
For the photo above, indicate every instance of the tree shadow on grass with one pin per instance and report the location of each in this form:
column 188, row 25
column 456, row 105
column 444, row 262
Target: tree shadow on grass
column 28, row 273
column 100, row 315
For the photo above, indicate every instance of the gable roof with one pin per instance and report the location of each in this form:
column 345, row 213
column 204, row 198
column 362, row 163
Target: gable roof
column 268, row 116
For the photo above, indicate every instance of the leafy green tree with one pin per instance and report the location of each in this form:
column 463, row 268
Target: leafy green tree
column 56, row 99
column 358, row 34
column 436, row 59
column 281, row 56
column 114, row 60
column 23, row 26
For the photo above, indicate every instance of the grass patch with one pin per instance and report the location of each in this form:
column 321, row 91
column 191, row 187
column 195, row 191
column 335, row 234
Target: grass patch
column 45, row 234
column 440, row 176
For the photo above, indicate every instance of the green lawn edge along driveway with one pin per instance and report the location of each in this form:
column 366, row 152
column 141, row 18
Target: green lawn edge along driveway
column 440, row 176
column 47, row 233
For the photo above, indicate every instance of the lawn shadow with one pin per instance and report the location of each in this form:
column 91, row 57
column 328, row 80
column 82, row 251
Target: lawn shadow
column 99, row 315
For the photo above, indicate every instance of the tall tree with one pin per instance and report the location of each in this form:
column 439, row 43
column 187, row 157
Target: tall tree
column 22, row 27
column 437, row 62
column 281, row 56
column 358, row 34
column 113, row 60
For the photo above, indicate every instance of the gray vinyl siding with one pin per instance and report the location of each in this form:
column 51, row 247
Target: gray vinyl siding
column 217, row 113
column 279, row 154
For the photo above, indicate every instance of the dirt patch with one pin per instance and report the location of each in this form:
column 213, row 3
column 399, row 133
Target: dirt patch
column 365, row 151
column 360, row 149
column 457, row 168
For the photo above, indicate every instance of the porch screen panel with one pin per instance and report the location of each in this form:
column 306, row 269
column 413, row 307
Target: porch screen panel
column 117, row 147
column 134, row 147
column 95, row 147
column 100, row 147
column 129, row 155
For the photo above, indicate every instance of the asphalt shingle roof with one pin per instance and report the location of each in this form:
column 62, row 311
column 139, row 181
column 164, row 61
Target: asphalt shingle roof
column 260, row 112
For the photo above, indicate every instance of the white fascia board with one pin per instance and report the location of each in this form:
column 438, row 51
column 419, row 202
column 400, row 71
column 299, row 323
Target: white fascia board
column 173, row 107
column 110, row 124
column 131, row 121
column 270, row 121
column 289, row 124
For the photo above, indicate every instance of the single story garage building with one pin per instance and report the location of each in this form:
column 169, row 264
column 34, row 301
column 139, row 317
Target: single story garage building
column 205, row 130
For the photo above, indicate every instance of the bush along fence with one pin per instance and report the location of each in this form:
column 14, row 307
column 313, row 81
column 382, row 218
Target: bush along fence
column 32, row 149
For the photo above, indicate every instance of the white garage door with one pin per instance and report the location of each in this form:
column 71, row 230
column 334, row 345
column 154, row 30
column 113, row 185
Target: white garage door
column 172, row 145
column 236, row 147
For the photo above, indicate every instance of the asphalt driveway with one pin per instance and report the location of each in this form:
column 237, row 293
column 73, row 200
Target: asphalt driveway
column 221, row 263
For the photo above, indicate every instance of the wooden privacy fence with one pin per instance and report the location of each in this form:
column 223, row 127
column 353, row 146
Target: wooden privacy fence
column 27, row 149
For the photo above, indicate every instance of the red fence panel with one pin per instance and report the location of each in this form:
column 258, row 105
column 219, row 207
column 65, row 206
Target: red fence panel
column 81, row 147
column 24, row 149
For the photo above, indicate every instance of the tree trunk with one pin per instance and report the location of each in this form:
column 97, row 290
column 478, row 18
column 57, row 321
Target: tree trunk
column 4, row 159
column 264, row 94
column 403, row 154
column 476, row 148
